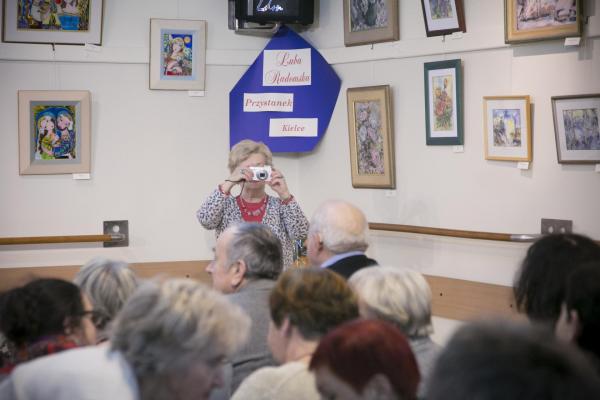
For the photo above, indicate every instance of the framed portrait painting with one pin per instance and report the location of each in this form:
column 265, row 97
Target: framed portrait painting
column 531, row 20
column 443, row 17
column 507, row 128
column 53, row 21
column 443, row 103
column 371, row 21
column 177, row 54
column 576, row 128
column 370, row 126
column 54, row 132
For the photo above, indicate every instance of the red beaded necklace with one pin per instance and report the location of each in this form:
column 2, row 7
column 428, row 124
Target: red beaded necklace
column 252, row 212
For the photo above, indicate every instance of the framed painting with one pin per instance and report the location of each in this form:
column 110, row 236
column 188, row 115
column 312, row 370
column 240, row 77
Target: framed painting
column 576, row 128
column 443, row 17
column 507, row 128
column 53, row 21
column 370, row 21
column 54, row 132
column 370, row 126
column 443, row 103
column 177, row 54
column 531, row 20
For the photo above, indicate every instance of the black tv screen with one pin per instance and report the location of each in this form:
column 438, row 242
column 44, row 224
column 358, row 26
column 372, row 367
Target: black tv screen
column 265, row 11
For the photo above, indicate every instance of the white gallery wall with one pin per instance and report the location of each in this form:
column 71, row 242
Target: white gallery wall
column 157, row 154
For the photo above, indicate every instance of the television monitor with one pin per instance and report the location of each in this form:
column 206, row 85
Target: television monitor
column 269, row 11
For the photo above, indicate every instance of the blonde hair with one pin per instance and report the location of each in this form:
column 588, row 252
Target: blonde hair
column 244, row 149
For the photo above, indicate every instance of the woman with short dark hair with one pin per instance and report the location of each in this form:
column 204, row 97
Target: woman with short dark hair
column 45, row 316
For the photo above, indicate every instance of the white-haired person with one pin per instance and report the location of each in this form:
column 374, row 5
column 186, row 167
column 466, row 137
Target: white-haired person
column 338, row 238
column 282, row 214
column 168, row 342
column 108, row 284
column 402, row 297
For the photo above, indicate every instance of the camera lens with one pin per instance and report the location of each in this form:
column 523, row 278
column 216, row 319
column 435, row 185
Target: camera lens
column 262, row 175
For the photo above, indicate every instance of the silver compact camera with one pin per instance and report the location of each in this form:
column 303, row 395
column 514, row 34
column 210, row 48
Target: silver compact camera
column 261, row 174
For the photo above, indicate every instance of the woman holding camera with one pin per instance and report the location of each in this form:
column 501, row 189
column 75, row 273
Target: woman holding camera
column 250, row 166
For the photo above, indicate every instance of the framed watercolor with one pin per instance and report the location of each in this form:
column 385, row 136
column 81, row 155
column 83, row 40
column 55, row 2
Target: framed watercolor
column 576, row 128
column 54, row 132
column 177, row 54
column 370, row 21
column 532, row 20
column 507, row 128
column 53, row 21
column 443, row 103
column 370, row 126
column 443, row 17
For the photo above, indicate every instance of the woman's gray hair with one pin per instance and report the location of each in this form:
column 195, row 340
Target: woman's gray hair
column 342, row 227
column 108, row 284
column 397, row 295
column 167, row 326
column 258, row 247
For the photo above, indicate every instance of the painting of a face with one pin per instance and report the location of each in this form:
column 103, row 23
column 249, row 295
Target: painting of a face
column 177, row 54
column 55, row 137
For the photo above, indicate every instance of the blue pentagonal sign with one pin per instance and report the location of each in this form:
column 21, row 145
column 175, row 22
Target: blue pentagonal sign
column 286, row 98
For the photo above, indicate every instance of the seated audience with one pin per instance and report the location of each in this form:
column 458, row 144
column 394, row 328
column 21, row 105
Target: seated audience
column 45, row 316
column 108, row 284
column 579, row 320
column 338, row 238
column 305, row 304
column 167, row 342
column 403, row 297
column 541, row 281
column 248, row 260
column 365, row 360
column 497, row 360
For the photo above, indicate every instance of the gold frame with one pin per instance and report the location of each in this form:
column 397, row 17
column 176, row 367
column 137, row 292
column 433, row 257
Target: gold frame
column 511, row 35
column 30, row 166
column 528, row 140
column 387, row 180
column 388, row 34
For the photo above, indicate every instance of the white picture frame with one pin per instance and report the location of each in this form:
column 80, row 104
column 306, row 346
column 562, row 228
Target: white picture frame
column 171, row 66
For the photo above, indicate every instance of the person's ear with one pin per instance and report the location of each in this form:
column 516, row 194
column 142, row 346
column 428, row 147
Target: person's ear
column 286, row 327
column 568, row 326
column 238, row 272
column 378, row 388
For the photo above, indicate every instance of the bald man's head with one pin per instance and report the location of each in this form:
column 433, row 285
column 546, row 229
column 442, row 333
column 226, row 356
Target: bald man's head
column 341, row 227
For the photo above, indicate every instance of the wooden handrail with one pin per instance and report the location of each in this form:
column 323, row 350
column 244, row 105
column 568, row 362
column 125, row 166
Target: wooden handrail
column 504, row 237
column 425, row 230
column 62, row 239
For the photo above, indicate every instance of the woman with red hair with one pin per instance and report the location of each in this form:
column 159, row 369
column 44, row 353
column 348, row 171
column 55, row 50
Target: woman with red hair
column 364, row 360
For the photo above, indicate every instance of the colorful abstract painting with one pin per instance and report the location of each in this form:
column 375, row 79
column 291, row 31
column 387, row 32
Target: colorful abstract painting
column 54, row 132
column 581, row 129
column 369, row 138
column 507, row 127
column 55, row 15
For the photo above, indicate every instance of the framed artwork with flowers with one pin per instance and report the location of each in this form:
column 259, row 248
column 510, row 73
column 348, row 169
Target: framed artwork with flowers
column 370, row 126
column 443, row 103
column 53, row 21
column 177, row 54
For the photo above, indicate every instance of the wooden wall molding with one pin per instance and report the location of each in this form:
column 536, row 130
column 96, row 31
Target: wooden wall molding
column 452, row 298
